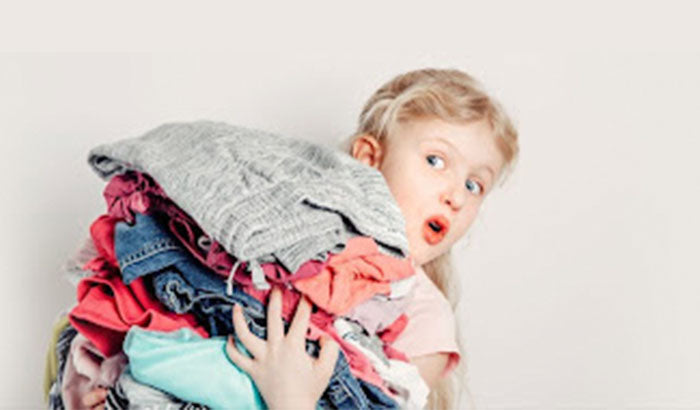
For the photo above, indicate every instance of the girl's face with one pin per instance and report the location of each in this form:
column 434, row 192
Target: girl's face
column 439, row 174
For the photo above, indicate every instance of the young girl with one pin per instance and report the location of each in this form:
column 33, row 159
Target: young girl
column 442, row 144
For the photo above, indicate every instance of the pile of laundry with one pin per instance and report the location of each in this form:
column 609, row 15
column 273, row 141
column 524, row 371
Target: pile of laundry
column 205, row 215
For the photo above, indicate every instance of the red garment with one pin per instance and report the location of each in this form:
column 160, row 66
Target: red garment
column 107, row 308
column 102, row 232
column 389, row 334
column 393, row 331
column 353, row 276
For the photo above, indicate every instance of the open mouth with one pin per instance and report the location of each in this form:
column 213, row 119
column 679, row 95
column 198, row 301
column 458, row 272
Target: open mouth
column 435, row 229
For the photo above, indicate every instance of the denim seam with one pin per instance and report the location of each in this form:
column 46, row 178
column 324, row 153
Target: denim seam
column 345, row 394
column 175, row 292
column 148, row 251
column 346, row 390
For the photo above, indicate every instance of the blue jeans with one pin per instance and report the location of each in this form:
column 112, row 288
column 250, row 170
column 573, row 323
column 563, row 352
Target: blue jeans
column 180, row 282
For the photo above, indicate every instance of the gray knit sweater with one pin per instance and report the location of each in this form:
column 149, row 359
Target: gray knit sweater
column 260, row 195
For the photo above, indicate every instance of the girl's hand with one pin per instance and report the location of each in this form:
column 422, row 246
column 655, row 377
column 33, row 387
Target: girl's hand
column 285, row 375
column 95, row 398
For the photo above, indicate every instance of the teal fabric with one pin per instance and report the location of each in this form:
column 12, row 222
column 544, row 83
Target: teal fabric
column 191, row 368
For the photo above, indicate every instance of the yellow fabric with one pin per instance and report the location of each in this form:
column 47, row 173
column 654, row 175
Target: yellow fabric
column 51, row 369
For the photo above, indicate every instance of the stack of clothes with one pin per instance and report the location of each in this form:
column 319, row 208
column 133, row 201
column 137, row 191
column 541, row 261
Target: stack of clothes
column 203, row 216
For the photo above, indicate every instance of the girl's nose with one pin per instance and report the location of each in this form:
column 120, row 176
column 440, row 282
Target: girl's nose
column 455, row 196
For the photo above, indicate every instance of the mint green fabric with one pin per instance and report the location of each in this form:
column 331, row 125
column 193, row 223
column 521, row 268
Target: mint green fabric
column 191, row 368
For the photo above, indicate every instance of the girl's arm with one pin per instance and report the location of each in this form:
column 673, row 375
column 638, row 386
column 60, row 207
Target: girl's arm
column 431, row 367
column 285, row 375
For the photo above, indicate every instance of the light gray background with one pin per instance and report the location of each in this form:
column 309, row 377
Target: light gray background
column 581, row 277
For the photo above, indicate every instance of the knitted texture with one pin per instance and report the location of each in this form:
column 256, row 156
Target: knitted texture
column 261, row 195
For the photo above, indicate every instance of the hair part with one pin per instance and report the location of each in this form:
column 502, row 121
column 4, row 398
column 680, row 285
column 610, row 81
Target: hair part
column 452, row 96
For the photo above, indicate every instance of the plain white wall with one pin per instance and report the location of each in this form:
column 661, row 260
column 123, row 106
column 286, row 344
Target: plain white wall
column 580, row 278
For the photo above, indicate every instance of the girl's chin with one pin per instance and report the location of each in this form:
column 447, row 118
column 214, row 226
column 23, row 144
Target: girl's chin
column 421, row 257
column 422, row 252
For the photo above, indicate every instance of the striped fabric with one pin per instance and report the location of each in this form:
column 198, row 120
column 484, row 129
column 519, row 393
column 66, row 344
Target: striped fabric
column 62, row 350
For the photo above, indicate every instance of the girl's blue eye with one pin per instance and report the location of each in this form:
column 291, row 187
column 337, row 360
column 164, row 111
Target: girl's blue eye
column 473, row 187
column 434, row 160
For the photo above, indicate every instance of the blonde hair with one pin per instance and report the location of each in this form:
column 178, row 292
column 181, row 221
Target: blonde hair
column 452, row 96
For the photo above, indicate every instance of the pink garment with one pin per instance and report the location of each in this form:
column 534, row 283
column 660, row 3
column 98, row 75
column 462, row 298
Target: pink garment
column 85, row 369
column 132, row 192
column 107, row 308
column 378, row 313
column 135, row 192
column 353, row 276
column 276, row 274
column 322, row 323
column 429, row 313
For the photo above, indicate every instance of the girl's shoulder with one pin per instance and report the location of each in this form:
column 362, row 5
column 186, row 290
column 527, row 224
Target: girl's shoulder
column 425, row 290
column 429, row 313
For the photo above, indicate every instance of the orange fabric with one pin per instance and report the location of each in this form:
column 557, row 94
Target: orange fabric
column 353, row 276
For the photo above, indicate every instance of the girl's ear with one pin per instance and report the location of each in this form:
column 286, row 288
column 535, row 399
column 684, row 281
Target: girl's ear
column 367, row 150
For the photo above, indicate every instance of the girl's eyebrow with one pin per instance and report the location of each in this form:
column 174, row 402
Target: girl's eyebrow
column 448, row 144
column 442, row 140
column 487, row 169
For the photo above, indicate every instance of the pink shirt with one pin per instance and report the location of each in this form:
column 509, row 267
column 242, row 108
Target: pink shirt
column 431, row 323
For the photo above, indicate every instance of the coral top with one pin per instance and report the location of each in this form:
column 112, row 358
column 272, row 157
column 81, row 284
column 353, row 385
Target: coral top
column 429, row 313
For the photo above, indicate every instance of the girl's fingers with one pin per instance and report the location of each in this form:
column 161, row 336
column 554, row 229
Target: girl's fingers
column 275, row 326
column 94, row 397
column 325, row 364
column 243, row 362
column 300, row 323
column 254, row 344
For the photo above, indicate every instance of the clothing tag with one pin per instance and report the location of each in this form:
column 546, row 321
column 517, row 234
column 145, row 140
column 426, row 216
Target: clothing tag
column 258, row 276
